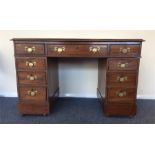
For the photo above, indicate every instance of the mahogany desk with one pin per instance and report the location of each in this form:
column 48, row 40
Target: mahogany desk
column 37, row 71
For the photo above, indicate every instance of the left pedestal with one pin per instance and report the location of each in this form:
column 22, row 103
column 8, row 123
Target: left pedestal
column 31, row 67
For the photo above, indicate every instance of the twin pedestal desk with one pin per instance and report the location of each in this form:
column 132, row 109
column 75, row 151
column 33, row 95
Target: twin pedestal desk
column 37, row 72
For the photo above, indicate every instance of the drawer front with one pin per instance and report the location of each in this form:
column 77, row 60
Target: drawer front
column 32, row 93
column 30, row 49
column 123, row 64
column 121, row 95
column 78, row 50
column 31, row 77
column 33, row 108
column 125, row 50
column 31, row 63
column 120, row 109
column 125, row 79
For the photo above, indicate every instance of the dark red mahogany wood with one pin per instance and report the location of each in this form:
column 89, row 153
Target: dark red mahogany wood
column 37, row 62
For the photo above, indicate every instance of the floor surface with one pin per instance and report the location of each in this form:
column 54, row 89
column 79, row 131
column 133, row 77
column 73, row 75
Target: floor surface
column 75, row 111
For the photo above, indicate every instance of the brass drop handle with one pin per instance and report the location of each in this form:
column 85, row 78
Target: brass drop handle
column 32, row 92
column 32, row 77
column 121, row 93
column 94, row 49
column 30, row 49
column 122, row 78
column 59, row 49
column 124, row 50
column 31, row 64
column 122, row 65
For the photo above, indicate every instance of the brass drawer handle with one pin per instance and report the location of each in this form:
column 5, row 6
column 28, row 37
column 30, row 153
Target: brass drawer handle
column 32, row 92
column 30, row 49
column 121, row 93
column 31, row 64
column 32, row 77
column 122, row 78
column 94, row 49
column 59, row 49
column 125, row 50
column 122, row 65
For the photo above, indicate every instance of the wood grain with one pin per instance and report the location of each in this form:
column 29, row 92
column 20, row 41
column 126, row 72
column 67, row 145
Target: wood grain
column 40, row 63
column 129, row 79
column 132, row 64
column 113, row 77
column 39, row 49
column 38, row 78
column 77, row 51
column 131, row 50
column 40, row 93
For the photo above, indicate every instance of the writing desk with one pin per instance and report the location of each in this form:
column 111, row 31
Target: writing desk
column 37, row 71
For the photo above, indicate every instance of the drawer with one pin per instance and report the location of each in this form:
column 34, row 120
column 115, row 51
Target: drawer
column 120, row 109
column 31, row 78
column 34, row 108
column 125, row 50
column 123, row 64
column 78, row 50
column 30, row 49
column 33, row 93
column 121, row 95
column 31, row 63
column 125, row 79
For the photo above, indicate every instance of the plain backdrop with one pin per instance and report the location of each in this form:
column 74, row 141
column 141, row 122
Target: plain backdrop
column 77, row 15
column 78, row 78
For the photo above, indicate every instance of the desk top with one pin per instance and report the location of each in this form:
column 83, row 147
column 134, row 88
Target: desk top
column 76, row 40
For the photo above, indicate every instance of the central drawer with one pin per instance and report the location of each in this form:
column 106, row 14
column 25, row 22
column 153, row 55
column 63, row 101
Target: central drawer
column 77, row 50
